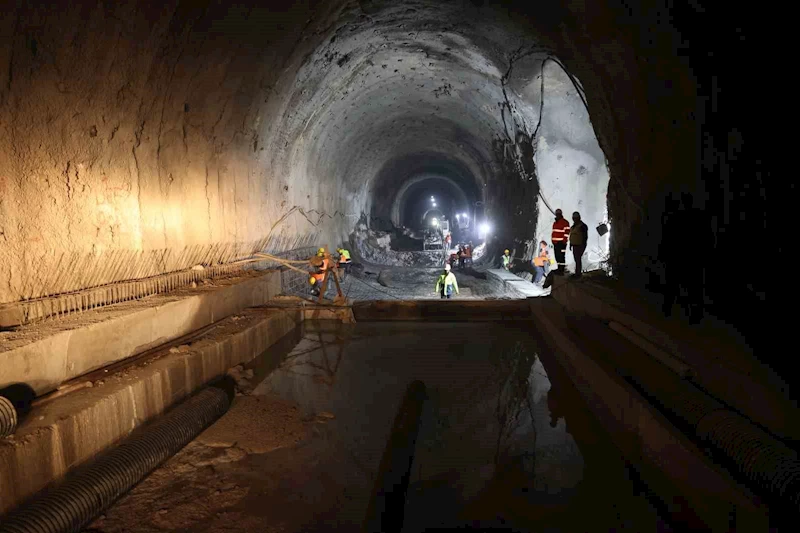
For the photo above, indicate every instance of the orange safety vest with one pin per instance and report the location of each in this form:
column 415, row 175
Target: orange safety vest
column 541, row 259
column 560, row 230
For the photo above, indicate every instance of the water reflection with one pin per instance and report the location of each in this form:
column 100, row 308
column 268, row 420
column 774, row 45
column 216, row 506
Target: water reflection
column 492, row 439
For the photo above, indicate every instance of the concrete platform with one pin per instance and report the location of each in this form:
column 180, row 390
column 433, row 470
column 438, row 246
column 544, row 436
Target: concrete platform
column 47, row 354
column 514, row 285
column 721, row 364
column 66, row 432
column 677, row 470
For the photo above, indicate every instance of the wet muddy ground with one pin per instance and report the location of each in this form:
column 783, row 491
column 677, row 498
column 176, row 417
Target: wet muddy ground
column 503, row 442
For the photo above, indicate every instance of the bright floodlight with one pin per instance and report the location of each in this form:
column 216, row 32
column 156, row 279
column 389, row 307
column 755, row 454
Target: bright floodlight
column 435, row 222
column 434, row 204
column 485, row 228
column 463, row 214
column 458, row 215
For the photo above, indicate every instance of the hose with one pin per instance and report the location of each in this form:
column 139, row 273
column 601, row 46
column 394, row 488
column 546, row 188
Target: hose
column 8, row 417
column 72, row 504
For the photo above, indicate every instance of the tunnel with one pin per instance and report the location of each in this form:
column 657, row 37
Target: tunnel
column 143, row 143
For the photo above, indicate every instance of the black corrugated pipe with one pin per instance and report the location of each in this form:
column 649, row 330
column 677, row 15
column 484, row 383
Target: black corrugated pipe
column 387, row 505
column 761, row 461
column 8, row 417
column 770, row 466
column 71, row 505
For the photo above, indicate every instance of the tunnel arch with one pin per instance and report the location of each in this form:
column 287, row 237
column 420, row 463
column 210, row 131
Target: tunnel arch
column 195, row 128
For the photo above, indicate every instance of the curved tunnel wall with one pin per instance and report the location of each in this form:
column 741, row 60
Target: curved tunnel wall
column 139, row 138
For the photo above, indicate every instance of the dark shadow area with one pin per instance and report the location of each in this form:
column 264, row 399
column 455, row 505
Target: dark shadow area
column 21, row 397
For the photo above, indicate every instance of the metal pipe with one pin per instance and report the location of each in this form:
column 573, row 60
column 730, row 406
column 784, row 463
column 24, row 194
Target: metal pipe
column 74, row 503
column 387, row 505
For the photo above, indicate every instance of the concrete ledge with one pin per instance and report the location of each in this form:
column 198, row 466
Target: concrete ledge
column 745, row 389
column 514, row 285
column 672, row 465
column 441, row 310
column 64, row 433
column 47, row 354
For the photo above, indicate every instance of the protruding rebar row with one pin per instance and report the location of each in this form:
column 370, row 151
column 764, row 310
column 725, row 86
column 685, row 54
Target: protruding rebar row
column 63, row 305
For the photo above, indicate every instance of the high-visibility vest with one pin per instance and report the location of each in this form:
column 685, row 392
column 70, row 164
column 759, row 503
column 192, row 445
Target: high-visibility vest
column 560, row 230
column 447, row 282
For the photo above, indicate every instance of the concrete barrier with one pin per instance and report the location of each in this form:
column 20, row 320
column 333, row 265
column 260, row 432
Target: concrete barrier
column 63, row 434
column 680, row 473
column 441, row 310
column 746, row 388
column 514, row 285
column 79, row 344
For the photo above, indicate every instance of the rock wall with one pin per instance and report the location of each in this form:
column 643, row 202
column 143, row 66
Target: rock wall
column 141, row 138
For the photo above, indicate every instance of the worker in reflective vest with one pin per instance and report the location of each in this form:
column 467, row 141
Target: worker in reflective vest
column 541, row 263
column 506, row 260
column 344, row 256
column 560, row 238
column 321, row 265
column 446, row 284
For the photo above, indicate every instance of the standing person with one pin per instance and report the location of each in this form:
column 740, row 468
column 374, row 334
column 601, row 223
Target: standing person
column 541, row 263
column 506, row 260
column 560, row 235
column 578, row 238
column 461, row 256
column 446, row 284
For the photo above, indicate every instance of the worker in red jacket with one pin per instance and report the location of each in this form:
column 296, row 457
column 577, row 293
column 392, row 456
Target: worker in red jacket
column 560, row 238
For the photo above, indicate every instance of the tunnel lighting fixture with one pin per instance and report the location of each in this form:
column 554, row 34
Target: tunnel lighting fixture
column 458, row 215
column 435, row 222
column 485, row 229
column 434, row 204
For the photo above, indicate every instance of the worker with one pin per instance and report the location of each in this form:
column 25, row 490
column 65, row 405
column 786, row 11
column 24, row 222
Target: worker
column 462, row 256
column 468, row 255
column 321, row 264
column 578, row 238
column 559, row 237
column 506, row 260
column 344, row 256
column 315, row 285
column 446, row 284
column 452, row 259
column 541, row 263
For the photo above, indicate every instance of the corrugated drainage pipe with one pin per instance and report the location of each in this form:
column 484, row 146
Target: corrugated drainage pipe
column 8, row 417
column 768, row 464
column 83, row 495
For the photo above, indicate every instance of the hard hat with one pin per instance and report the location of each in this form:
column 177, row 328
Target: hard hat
column 312, row 280
column 507, row 252
column 447, row 266
column 321, row 251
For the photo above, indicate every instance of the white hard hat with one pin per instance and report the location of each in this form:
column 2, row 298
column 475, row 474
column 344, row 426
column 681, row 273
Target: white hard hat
column 447, row 266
